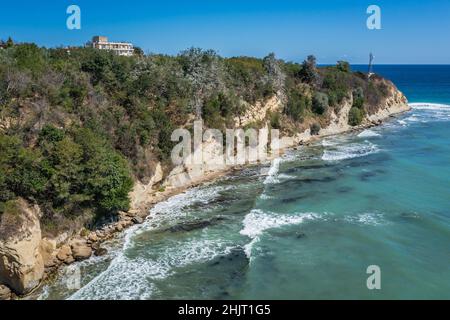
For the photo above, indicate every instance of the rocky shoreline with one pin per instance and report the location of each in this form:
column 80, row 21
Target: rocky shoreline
column 32, row 259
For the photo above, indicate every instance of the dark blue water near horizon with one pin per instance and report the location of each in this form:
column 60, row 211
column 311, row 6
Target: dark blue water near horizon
column 420, row 83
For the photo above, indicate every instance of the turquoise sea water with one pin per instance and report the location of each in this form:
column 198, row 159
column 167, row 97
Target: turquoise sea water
column 309, row 226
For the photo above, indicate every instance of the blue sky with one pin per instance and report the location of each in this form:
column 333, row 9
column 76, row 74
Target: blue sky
column 413, row 31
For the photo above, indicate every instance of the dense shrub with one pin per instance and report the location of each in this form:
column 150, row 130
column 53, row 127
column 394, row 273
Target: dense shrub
column 358, row 98
column 65, row 169
column 309, row 72
column 315, row 129
column 355, row 116
column 336, row 86
column 343, row 66
column 297, row 105
column 30, row 57
column 275, row 122
column 320, row 103
column 247, row 76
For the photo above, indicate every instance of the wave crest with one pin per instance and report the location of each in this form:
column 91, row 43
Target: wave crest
column 354, row 150
column 429, row 106
column 258, row 221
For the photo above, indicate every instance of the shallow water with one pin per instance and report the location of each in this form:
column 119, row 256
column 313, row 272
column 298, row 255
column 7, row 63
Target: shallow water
column 306, row 230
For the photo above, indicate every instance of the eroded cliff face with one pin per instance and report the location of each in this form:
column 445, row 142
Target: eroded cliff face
column 394, row 103
column 185, row 174
column 21, row 262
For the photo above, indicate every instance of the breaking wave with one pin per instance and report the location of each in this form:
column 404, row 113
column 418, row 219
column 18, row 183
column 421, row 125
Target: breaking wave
column 129, row 277
column 258, row 221
column 371, row 219
column 368, row 134
column 426, row 112
column 350, row 151
column 273, row 172
column 430, row 106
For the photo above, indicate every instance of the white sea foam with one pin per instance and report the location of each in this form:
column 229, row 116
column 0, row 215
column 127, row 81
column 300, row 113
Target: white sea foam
column 264, row 196
column 429, row 106
column 426, row 112
column 130, row 277
column 413, row 118
column 329, row 142
column 372, row 219
column 368, row 134
column 273, row 172
column 258, row 221
column 285, row 176
column 350, row 151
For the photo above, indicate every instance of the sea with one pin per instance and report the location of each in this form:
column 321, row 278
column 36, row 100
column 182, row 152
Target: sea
column 364, row 215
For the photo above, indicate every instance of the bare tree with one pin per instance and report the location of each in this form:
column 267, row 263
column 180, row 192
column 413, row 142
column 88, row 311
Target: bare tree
column 276, row 76
column 205, row 72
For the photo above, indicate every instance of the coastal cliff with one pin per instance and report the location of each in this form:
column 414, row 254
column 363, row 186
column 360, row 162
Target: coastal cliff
column 87, row 151
column 23, row 258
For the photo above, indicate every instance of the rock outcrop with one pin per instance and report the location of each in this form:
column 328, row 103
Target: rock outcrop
column 258, row 111
column 142, row 191
column 21, row 262
column 5, row 293
column 48, row 252
column 65, row 254
column 81, row 250
column 395, row 103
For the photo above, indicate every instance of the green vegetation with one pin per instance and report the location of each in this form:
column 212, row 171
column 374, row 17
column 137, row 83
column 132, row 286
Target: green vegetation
column 297, row 105
column 68, row 170
column 357, row 111
column 343, row 66
column 77, row 126
column 308, row 72
column 355, row 116
column 315, row 129
column 320, row 103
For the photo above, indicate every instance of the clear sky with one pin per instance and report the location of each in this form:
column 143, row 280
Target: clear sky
column 413, row 31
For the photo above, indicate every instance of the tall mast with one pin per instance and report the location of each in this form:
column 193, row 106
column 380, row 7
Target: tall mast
column 370, row 72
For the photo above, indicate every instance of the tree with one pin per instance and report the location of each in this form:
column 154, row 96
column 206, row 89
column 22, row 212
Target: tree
column 343, row 66
column 355, row 116
column 320, row 103
column 204, row 71
column 138, row 51
column 315, row 129
column 297, row 105
column 275, row 72
column 358, row 98
column 309, row 72
column 30, row 57
column 9, row 43
column 107, row 175
column 21, row 169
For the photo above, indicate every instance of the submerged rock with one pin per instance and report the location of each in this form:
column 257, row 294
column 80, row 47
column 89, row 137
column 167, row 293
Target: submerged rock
column 138, row 220
column 190, row 226
column 99, row 252
column 21, row 263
